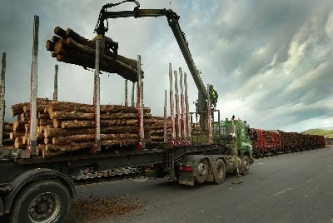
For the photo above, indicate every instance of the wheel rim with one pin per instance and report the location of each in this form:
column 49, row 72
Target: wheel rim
column 246, row 165
column 219, row 171
column 202, row 171
column 44, row 208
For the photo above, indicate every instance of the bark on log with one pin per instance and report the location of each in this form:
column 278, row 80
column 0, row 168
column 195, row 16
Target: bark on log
column 90, row 116
column 20, row 108
column 18, row 144
column 90, row 124
column 85, row 108
column 40, row 108
column 71, row 33
column 157, row 131
column 60, row 32
column 50, row 45
column 19, row 126
column 86, row 61
column 87, row 138
column 68, row 147
column 23, row 117
column 6, row 135
column 81, row 52
column 8, row 127
column 43, row 122
column 55, row 39
column 48, row 154
column 14, row 135
column 43, row 115
column 59, row 132
column 120, row 61
column 121, row 142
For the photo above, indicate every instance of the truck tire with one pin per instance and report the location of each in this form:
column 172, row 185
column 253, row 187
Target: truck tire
column 220, row 173
column 202, row 171
column 245, row 165
column 42, row 201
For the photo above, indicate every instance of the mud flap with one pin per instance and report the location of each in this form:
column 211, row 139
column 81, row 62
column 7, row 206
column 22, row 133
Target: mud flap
column 186, row 178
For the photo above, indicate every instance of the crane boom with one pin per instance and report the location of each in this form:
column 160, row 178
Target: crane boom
column 172, row 18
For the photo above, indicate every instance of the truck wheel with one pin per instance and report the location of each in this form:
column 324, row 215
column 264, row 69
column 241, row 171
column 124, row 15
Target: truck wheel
column 245, row 165
column 202, row 171
column 42, row 201
column 219, row 176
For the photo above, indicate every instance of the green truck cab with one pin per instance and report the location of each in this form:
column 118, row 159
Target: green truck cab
column 236, row 136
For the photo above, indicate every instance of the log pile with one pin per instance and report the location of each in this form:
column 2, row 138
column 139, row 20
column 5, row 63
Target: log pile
column 7, row 137
column 69, row 47
column 157, row 129
column 67, row 126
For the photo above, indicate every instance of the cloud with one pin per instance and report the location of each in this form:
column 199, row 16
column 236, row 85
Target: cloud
column 268, row 60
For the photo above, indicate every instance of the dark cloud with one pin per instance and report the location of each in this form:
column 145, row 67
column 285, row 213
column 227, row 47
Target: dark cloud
column 269, row 60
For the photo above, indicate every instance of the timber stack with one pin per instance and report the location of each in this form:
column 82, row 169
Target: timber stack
column 157, row 129
column 7, row 136
column 69, row 47
column 68, row 126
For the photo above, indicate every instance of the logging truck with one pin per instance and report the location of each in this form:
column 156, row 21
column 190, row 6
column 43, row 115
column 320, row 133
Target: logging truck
column 35, row 187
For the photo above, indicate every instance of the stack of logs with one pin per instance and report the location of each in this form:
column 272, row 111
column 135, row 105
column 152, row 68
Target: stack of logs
column 157, row 129
column 70, row 47
column 8, row 137
column 67, row 126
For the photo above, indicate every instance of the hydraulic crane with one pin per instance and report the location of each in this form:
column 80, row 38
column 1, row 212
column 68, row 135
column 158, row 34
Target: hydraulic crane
column 172, row 19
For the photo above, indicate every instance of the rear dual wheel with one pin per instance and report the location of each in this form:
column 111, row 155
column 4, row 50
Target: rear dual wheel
column 45, row 201
column 220, row 173
column 245, row 165
column 202, row 171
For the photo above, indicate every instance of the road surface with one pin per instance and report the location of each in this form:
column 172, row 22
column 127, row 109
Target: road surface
column 295, row 187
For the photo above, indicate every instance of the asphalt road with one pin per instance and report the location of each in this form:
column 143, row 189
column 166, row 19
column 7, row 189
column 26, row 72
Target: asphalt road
column 295, row 187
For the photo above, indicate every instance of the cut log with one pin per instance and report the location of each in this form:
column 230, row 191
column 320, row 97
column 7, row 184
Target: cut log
column 86, row 108
column 50, row 45
column 23, row 117
column 6, row 135
column 19, row 126
column 71, row 115
column 18, row 144
column 78, row 38
column 68, row 147
column 121, row 142
column 86, row 61
column 20, row 108
column 56, row 123
column 14, row 135
column 60, row 32
column 90, row 124
column 90, row 116
column 87, row 138
column 43, row 122
column 59, row 132
column 48, row 154
column 8, row 127
column 43, row 115
column 79, row 51
column 55, row 39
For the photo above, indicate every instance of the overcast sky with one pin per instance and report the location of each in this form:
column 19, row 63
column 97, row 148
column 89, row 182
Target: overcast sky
column 270, row 61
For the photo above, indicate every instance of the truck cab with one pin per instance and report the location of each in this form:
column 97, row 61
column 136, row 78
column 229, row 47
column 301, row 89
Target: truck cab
column 235, row 134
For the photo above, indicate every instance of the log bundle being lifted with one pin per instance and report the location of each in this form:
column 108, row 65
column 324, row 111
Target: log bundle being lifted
column 67, row 126
column 69, row 47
